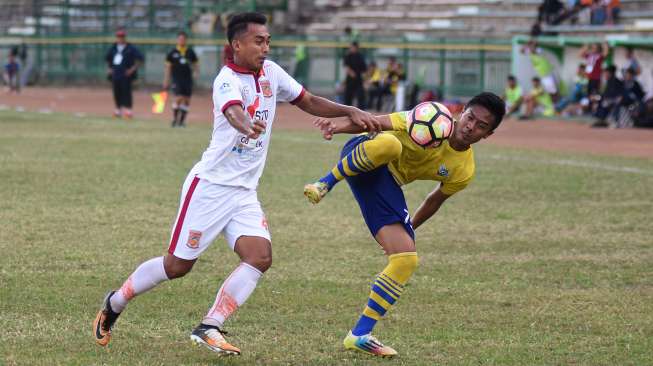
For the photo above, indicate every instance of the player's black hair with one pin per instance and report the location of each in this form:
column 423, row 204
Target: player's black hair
column 493, row 103
column 612, row 69
column 537, row 79
column 182, row 33
column 355, row 44
column 238, row 23
column 512, row 78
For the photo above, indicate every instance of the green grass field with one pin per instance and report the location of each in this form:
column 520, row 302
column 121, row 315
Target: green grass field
column 546, row 259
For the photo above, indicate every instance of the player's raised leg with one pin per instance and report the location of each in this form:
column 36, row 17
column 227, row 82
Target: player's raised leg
column 361, row 154
column 256, row 257
column 386, row 289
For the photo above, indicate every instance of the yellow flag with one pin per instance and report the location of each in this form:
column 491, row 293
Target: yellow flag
column 159, row 102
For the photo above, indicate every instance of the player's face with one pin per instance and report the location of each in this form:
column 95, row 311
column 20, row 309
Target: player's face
column 252, row 47
column 181, row 40
column 475, row 124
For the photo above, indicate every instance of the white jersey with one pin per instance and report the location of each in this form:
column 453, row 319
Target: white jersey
column 231, row 158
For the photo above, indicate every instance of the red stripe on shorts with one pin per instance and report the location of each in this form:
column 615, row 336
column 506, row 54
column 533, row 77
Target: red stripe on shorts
column 182, row 216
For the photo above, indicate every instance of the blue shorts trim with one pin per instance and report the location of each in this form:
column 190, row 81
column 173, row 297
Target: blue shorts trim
column 379, row 197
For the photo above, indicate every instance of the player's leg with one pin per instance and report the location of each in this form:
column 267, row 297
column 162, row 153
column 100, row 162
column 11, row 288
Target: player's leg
column 360, row 155
column 385, row 212
column 175, row 109
column 248, row 236
column 117, row 98
column 128, row 98
column 183, row 110
column 201, row 217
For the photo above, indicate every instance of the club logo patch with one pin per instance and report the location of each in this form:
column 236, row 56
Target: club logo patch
column 224, row 88
column 266, row 88
column 442, row 171
column 194, row 239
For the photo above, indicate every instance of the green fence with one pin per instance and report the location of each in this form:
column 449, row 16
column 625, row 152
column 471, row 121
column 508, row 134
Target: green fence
column 456, row 68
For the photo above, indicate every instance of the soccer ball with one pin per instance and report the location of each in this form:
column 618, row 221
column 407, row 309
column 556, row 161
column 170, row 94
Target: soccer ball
column 429, row 123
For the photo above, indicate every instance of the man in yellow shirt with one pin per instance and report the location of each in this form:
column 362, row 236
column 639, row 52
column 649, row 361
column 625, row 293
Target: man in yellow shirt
column 376, row 166
column 538, row 102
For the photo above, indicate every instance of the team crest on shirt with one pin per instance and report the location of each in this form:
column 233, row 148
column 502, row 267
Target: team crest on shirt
column 266, row 88
column 442, row 171
column 194, row 239
column 225, row 88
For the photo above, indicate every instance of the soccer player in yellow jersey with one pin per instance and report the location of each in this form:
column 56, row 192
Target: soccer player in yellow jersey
column 376, row 166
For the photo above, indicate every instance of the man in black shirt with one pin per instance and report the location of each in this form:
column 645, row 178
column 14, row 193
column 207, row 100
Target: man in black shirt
column 123, row 59
column 355, row 67
column 610, row 98
column 182, row 65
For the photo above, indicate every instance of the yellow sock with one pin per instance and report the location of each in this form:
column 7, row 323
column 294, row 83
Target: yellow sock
column 386, row 290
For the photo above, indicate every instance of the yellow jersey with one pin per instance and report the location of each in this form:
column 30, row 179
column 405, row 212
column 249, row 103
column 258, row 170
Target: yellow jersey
column 454, row 169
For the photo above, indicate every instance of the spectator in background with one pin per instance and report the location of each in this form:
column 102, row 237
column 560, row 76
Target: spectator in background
column 543, row 68
column 373, row 85
column 11, row 74
column 355, row 67
column 632, row 100
column 613, row 9
column 594, row 54
column 631, row 62
column 549, row 11
column 512, row 96
column 610, row 98
column 123, row 60
column 538, row 102
column 577, row 95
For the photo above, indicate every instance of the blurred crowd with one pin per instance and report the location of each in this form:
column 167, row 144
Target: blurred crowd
column 594, row 12
column 609, row 93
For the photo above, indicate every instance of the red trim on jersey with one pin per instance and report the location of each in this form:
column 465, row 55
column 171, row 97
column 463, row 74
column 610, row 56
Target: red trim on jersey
column 230, row 103
column 299, row 97
column 242, row 70
column 182, row 216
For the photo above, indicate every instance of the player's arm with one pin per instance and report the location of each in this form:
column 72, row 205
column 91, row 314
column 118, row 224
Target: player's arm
column 166, row 75
column 237, row 118
column 322, row 107
column 429, row 207
column 330, row 127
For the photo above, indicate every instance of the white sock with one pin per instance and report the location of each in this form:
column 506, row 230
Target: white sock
column 233, row 293
column 145, row 277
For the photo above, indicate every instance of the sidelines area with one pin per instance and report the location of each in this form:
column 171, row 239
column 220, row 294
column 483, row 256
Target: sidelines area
column 570, row 137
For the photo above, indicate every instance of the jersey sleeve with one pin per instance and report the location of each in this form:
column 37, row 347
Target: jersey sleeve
column 398, row 120
column 288, row 89
column 226, row 92
column 192, row 56
column 450, row 188
column 169, row 57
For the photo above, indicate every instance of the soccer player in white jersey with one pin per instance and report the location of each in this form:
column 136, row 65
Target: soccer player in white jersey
column 219, row 194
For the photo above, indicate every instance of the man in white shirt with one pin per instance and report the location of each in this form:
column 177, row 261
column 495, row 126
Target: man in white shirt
column 219, row 194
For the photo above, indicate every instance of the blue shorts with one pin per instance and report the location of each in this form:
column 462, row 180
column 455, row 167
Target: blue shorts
column 379, row 196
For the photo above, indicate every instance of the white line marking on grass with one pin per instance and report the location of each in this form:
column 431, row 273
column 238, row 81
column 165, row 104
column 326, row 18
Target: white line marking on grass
column 559, row 162
column 574, row 163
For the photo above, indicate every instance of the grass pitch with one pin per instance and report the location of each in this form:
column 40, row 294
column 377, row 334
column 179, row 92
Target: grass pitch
column 546, row 259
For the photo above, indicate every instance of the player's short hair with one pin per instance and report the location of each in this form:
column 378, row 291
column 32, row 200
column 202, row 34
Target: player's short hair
column 537, row 79
column 612, row 69
column 493, row 103
column 182, row 33
column 512, row 78
column 238, row 23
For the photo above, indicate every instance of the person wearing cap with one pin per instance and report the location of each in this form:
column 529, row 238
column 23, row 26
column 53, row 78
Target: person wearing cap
column 123, row 59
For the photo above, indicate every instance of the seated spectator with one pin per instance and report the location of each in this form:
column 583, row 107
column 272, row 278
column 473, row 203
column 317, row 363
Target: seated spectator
column 577, row 94
column 538, row 102
column 610, row 98
column 632, row 100
column 549, row 11
column 644, row 117
column 512, row 95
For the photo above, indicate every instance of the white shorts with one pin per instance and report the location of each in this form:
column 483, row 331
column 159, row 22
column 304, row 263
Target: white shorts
column 207, row 210
column 550, row 84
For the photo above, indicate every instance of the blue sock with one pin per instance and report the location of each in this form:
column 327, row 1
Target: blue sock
column 330, row 180
column 364, row 326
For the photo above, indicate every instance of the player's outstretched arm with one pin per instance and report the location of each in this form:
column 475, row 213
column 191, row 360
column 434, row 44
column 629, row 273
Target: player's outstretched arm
column 429, row 207
column 330, row 127
column 237, row 118
column 322, row 107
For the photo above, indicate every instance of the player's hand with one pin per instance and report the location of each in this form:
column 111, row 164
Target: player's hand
column 364, row 119
column 257, row 129
column 165, row 86
column 326, row 126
